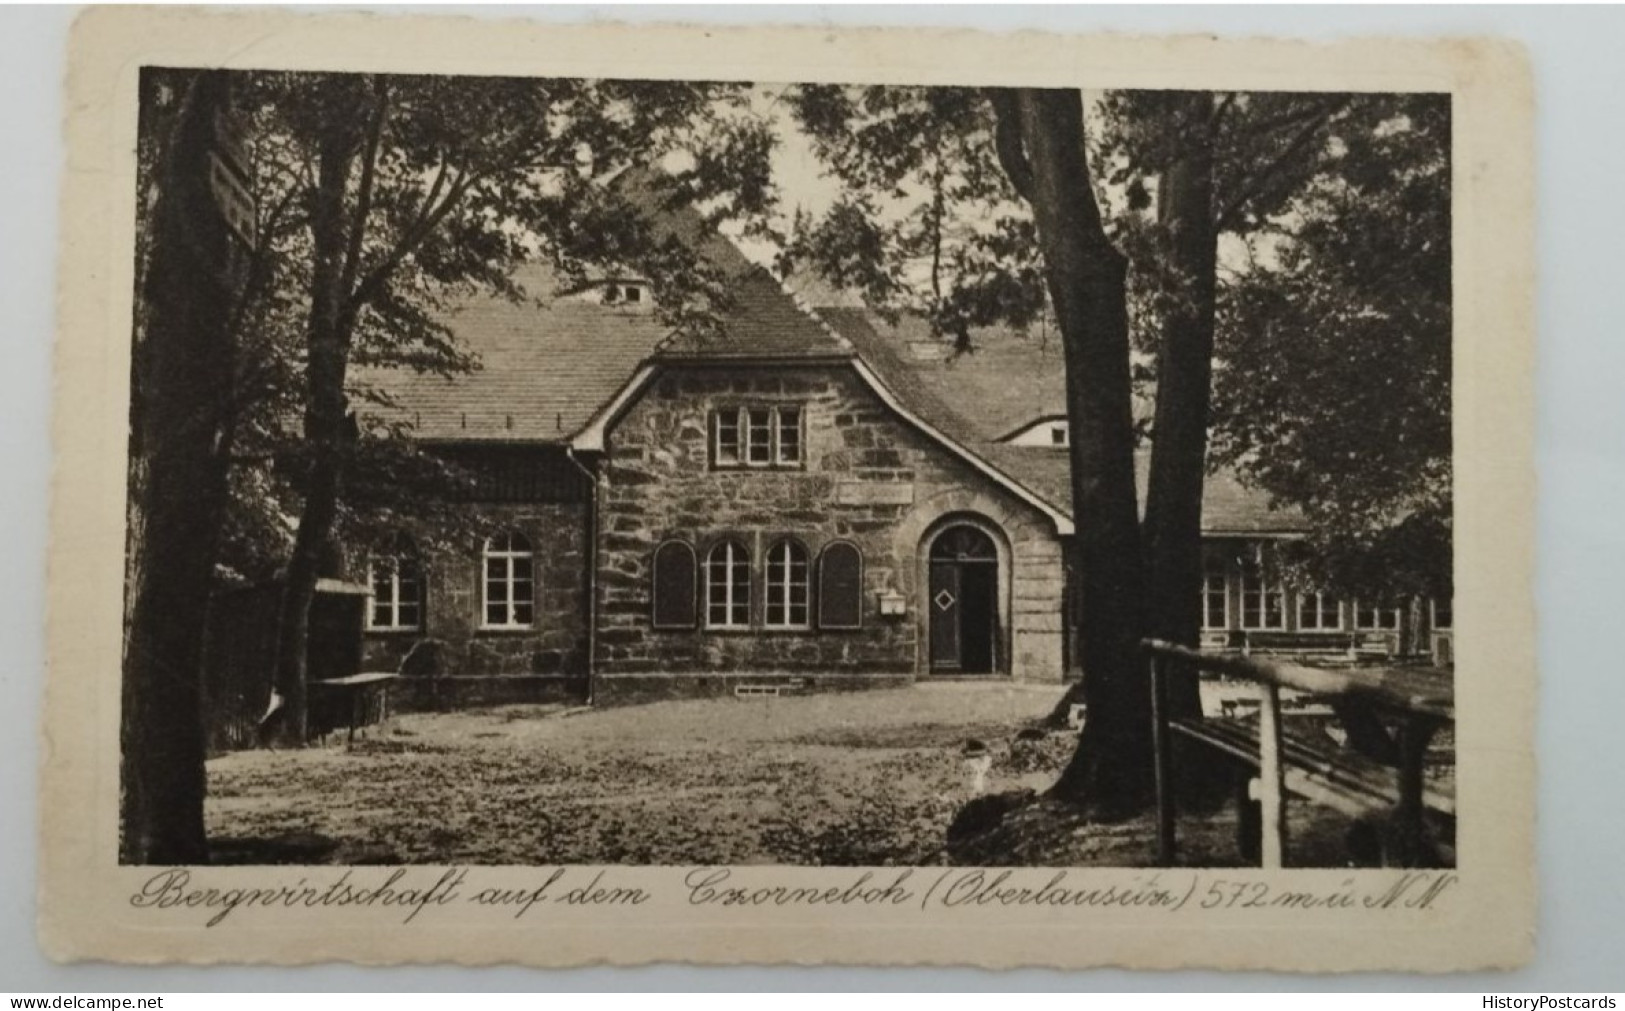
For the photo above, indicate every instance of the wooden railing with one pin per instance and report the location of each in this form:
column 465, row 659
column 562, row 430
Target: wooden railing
column 1365, row 700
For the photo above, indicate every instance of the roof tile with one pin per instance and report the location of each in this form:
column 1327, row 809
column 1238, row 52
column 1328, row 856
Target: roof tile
column 544, row 366
column 547, row 364
column 1010, row 381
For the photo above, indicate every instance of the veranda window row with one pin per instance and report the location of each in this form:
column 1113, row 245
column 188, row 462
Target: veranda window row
column 728, row 590
column 1251, row 599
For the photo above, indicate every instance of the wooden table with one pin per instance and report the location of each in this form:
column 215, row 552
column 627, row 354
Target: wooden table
column 360, row 690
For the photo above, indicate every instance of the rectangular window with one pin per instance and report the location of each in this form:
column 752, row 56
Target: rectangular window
column 1263, row 602
column 763, row 437
column 759, row 436
column 1379, row 618
column 787, row 587
column 1215, row 596
column 396, row 578
column 383, row 598
column 788, row 451
column 510, row 582
column 1319, row 612
column 726, row 453
column 395, row 598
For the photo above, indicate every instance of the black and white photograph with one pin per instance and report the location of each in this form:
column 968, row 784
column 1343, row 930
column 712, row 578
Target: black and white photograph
column 604, row 471
column 627, row 494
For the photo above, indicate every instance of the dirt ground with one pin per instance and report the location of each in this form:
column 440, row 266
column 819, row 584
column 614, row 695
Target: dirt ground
column 869, row 778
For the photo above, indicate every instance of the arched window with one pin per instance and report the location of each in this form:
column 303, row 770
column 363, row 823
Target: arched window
column 840, row 586
column 963, row 543
column 673, row 586
column 788, row 591
column 510, row 581
column 395, row 573
column 727, row 586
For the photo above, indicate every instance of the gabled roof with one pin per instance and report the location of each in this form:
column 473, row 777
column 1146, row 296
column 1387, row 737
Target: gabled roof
column 554, row 369
column 763, row 319
column 545, row 365
column 1010, row 382
column 763, row 322
column 1229, row 507
column 862, row 330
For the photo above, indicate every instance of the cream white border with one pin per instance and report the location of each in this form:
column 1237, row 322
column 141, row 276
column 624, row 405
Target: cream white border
column 1486, row 920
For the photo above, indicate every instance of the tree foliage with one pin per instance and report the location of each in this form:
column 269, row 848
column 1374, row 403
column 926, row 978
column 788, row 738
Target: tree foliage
column 927, row 220
column 380, row 203
column 402, row 196
column 937, row 218
column 1333, row 393
column 1330, row 301
column 1195, row 169
column 465, row 178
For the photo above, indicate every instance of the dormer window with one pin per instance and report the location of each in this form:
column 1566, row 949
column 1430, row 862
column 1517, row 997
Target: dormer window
column 1050, row 432
column 623, row 293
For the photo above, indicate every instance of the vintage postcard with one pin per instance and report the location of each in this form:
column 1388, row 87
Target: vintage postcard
column 610, row 494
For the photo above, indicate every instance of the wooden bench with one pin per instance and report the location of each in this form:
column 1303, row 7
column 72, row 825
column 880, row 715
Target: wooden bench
column 1306, row 644
column 1379, row 771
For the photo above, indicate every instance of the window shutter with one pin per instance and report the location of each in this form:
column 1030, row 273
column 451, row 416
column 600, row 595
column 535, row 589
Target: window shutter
column 840, row 586
column 674, row 586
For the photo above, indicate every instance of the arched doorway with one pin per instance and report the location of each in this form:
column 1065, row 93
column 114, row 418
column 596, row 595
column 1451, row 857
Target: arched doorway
column 963, row 602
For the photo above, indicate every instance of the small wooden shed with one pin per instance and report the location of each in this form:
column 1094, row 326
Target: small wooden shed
column 240, row 654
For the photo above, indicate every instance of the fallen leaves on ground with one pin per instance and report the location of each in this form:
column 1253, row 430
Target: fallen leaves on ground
column 869, row 778
column 852, row 779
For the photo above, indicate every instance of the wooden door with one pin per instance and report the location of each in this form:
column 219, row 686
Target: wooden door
column 963, row 602
column 945, row 609
column 978, row 617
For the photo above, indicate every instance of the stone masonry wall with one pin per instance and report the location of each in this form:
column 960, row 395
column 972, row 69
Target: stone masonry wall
column 557, row 642
column 868, row 476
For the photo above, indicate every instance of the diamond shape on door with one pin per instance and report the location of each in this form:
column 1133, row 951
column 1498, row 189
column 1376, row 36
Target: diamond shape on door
column 943, row 600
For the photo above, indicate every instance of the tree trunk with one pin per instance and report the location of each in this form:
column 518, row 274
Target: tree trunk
column 1173, row 514
column 327, row 428
column 1111, row 769
column 181, row 386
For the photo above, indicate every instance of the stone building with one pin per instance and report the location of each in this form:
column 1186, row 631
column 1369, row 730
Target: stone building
column 813, row 496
